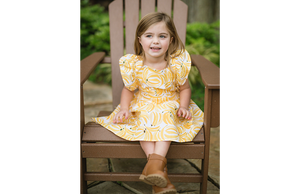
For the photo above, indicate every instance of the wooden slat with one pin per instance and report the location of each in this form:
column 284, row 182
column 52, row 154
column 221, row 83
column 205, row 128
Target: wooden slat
column 83, row 184
column 94, row 132
column 164, row 6
column 88, row 64
column 210, row 73
column 116, row 47
column 112, row 150
column 207, row 122
column 180, row 14
column 200, row 136
column 119, row 176
column 132, row 20
column 147, row 6
column 134, row 150
column 186, row 151
column 215, row 108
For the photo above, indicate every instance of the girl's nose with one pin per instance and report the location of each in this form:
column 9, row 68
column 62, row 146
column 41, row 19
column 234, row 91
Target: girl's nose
column 155, row 40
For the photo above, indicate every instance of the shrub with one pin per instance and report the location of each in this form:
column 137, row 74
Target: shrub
column 202, row 39
column 94, row 30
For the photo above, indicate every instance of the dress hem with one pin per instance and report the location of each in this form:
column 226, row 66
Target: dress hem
column 143, row 139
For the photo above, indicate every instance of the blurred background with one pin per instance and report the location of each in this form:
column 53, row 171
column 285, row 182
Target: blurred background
column 202, row 37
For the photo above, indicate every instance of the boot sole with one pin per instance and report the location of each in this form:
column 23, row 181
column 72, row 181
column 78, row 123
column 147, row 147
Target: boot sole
column 157, row 180
column 171, row 191
column 142, row 178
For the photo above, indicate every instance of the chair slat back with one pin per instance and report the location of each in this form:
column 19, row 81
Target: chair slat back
column 116, row 47
column 180, row 13
column 131, row 22
column 164, row 6
column 147, row 6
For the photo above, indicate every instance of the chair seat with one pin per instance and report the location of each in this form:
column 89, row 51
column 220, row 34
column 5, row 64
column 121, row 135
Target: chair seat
column 97, row 139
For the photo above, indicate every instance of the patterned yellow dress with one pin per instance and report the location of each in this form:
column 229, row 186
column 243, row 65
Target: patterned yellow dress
column 152, row 112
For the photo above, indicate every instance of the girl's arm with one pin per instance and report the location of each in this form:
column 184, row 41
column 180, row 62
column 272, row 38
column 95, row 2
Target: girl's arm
column 126, row 97
column 185, row 97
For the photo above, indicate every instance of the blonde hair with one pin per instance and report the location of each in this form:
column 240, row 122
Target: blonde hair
column 153, row 18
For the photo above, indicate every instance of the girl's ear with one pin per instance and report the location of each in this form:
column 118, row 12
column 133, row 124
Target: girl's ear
column 139, row 39
column 171, row 40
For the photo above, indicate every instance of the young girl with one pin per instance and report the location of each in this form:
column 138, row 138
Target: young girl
column 161, row 110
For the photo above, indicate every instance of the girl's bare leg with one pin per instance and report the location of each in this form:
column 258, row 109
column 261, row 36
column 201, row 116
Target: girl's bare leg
column 157, row 147
column 148, row 147
column 162, row 147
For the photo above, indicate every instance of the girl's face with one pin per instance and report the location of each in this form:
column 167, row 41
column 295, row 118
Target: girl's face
column 155, row 42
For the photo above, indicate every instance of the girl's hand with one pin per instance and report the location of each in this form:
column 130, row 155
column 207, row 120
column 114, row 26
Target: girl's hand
column 118, row 118
column 184, row 112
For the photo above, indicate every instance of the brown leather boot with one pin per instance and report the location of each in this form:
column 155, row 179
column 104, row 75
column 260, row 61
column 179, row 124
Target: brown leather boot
column 169, row 189
column 143, row 175
column 153, row 173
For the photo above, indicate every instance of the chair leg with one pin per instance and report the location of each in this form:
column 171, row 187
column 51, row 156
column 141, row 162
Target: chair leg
column 204, row 170
column 83, row 183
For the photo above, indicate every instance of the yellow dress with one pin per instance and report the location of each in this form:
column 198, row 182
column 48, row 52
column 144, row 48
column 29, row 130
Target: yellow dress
column 152, row 112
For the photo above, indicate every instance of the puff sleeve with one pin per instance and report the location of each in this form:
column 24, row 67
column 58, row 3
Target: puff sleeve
column 128, row 73
column 182, row 66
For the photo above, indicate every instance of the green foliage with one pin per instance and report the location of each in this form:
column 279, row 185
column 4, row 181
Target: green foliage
column 207, row 31
column 202, row 39
column 102, row 74
column 94, row 30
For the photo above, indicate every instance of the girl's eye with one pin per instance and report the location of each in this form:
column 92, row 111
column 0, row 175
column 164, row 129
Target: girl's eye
column 148, row 36
column 162, row 36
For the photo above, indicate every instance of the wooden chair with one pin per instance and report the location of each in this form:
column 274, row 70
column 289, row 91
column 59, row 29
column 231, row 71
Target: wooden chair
column 112, row 146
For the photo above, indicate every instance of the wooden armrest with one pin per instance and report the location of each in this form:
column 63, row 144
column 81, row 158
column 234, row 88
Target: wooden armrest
column 88, row 64
column 209, row 72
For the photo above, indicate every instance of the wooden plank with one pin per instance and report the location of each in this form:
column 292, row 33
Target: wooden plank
column 81, row 164
column 112, row 150
column 186, row 151
column 131, row 22
column 94, row 132
column 116, row 47
column 207, row 119
column 82, row 120
column 147, row 6
column 215, row 108
column 88, row 64
column 180, row 13
column 210, row 73
column 134, row 150
column 164, row 6
column 119, row 176
column 200, row 136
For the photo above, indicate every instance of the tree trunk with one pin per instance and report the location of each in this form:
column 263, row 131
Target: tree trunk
column 203, row 10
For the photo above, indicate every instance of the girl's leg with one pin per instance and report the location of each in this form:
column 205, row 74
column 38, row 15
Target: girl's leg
column 153, row 173
column 162, row 147
column 158, row 147
column 148, row 147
